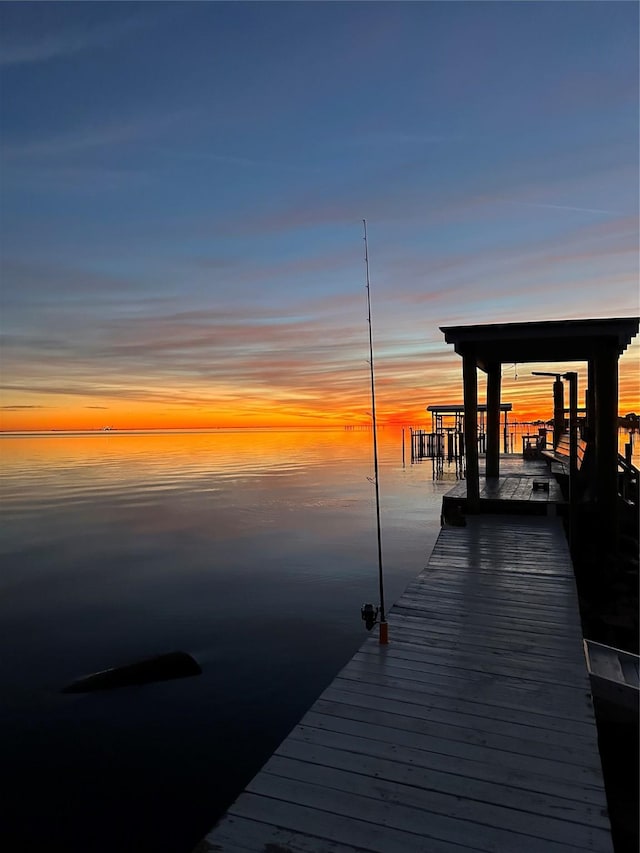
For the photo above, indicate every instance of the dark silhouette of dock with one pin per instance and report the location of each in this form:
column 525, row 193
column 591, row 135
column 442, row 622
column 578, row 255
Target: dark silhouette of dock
column 474, row 729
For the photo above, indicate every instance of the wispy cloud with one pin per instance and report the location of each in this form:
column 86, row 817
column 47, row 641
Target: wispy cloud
column 44, row 42
column 88, row 137
column 30, row 282
column 191, row 155
column 197, row 358
column 562, row 207
column 398, row 139
column 578, row 89
column 410, row 192
column 18, row 408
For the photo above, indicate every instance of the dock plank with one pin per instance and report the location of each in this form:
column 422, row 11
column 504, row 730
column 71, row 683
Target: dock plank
column 434, row 734
column 515, row 485
column 514, row 737
column 476, row 715
column 472, row 730
column 479, row 806
column 397, row 807
column 508, row 664
column 411, row 630
column 434, row 769
column 498, row 708
column 450, row 784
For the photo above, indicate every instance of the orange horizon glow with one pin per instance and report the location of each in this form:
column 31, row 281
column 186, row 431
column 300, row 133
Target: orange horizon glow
column 402, row 400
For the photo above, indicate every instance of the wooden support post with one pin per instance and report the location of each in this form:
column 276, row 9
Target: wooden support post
column 590, row 402
column 506, row 432
column 470, row 383
column 493, row 421
column 572, row 378
column 573, row 425
column 606, row 431
column 558, row 410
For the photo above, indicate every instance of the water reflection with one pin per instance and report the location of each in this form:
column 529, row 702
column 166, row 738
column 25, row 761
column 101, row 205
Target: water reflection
column 251, row 551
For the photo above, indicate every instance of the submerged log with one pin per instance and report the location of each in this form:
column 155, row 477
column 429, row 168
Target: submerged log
column 159, row 668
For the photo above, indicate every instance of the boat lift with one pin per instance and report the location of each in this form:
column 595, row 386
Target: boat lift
column 445, row 442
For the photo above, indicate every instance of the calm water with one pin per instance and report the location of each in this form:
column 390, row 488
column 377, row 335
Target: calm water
column 253, row 551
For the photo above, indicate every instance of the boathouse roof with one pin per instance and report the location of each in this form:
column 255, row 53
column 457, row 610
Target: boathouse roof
column 550, row 340
column 459, row 409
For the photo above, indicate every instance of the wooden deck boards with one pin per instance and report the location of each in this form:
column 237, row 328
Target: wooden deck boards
column 515, row 484
column 472, row 730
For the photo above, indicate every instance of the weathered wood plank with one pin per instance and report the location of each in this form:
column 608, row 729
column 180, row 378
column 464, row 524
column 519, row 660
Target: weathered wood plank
column 477, row 606
column 401, row 657
column 546, row 593
column 427, row 733
column 485, row 562
column 475, row 707
column 515, row 484
column 235, row 833
column 414, row 749
column 398, row 816
column 450, row 576
column 470, row 683
column 477, row 621
column 331, row 826
column 514, row 736
column 472, row 730
column 469, row 606
column 411, row 629
column 461, row 778
column 486, row 806
column 492, row 692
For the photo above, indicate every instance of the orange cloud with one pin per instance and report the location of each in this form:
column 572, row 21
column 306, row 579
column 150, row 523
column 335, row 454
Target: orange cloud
column 327, row 395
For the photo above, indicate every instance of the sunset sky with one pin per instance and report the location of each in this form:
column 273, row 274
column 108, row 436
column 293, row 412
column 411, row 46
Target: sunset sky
column 183, row 187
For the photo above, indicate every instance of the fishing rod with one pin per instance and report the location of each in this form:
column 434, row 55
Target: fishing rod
column 369, row 613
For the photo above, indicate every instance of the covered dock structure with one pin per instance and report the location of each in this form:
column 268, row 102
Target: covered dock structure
column 440, row 413
column 472, row 728
column 598, row 342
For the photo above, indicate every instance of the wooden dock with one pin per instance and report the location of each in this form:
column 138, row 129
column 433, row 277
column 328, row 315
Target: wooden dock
column 472, row 730
column 525, row 485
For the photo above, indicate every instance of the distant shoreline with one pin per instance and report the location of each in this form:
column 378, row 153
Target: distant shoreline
column 350, row 427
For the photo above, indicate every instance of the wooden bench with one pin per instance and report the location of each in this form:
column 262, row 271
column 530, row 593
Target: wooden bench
column 561, row 454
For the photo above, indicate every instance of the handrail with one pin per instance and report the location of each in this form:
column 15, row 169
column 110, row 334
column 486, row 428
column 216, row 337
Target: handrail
column 628, row 480
column 627, row 467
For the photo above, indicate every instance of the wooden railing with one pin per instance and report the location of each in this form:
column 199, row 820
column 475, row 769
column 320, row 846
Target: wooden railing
column 628, row 477
column 561, row 454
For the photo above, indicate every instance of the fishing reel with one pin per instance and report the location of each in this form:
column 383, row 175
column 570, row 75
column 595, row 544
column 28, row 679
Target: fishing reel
column 369, row 613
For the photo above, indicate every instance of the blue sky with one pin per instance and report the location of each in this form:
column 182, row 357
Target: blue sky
column 182, row 189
